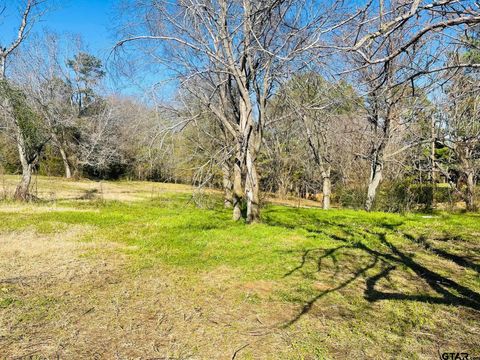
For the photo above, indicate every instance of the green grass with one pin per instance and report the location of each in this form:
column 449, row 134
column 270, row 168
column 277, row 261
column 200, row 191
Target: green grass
column 177, row 233
column 354, row 284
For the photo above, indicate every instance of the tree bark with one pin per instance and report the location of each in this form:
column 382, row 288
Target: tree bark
column 252, row 189
column 227, row 185
column 22, row 192
column 327, row 188
column 470, row 193
column 432, row 151
column 376, row 176
column 283, row 185
column 433, row 177
column 237, row 184
column 68, row 171
column 249, row 140
column 2, row 67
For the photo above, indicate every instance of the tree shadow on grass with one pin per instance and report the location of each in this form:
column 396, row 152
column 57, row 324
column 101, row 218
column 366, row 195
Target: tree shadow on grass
column 440, row 289
column 330, row 253
column 307, row 306
column 459, row 260
column 450, row 291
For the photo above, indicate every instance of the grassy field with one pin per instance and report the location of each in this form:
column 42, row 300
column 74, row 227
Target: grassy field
column 141, row 271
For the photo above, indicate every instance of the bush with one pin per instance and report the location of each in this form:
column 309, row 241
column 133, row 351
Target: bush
column 407, row 195
column 401, row 196
column 397, row 196
column 51, row 164
column 350, row 197
column 444, row 194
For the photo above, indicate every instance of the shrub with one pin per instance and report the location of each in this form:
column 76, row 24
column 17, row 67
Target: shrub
column 350, row 197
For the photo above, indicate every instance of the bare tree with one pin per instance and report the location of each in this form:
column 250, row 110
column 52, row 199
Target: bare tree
column 40, row 70
column 461, row 128
column 32, row 10
column 411, row 23
column 238, row 50
column 380, row 70
column 323, row 110
column 26, row 126
column 15, row 107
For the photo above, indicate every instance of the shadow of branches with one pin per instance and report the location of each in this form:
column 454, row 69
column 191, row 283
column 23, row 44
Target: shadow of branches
column 385, row 259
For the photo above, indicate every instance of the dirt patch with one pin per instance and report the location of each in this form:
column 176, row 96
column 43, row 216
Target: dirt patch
column 261, row 287
column 44, row 280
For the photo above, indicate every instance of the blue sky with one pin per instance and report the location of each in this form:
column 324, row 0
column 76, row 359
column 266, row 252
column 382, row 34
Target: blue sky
column 89, row 18
column 93, row 20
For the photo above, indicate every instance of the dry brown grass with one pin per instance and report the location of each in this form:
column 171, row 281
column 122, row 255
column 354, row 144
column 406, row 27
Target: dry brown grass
column 77, row 300
column 51, row 189
column 48, row 188
column 72, row 306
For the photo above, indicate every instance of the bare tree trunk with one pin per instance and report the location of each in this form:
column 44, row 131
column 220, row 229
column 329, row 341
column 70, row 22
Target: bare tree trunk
column 327, row 188
column 237, row 184
column 22, row 190
column 252, row 189
column 376, row 176
column 283, row 186
column 2, row 67
column 433, row 177
column 432, row 151
column 251, row 179
column 227, row 185
column 470, row 194
column 68, row 171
